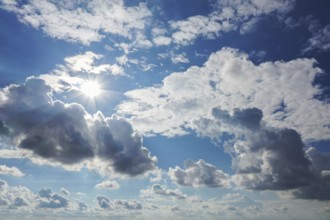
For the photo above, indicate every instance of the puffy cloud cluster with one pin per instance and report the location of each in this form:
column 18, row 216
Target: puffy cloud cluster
column 160, row 190
column 81, row 21
column 51, row 200
column 20, row 197
column 66, row 133
column 198, row 174
column 267, row 158
column 228, row 80
column 266, row 108
column 227, row 16
column 106, row 203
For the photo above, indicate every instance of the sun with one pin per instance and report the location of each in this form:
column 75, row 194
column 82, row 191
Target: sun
column 90, row 89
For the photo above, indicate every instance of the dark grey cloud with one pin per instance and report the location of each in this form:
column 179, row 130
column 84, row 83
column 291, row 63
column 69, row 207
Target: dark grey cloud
column 198, row 174
column 267, row 158
column 319, row 189
column 3, row 129
column 66, row 133
column 272, row 159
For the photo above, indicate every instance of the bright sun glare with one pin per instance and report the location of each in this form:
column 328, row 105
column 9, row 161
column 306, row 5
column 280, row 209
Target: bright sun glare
column 90, row 89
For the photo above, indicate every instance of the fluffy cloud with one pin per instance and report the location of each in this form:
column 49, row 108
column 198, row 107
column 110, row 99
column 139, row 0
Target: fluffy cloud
column 86, row 63
column 198, row 174
column 81, row 21
column 226, row 16
column 14, row 171
column 228, row 80
column 51, row 200
column 16, row 197
column 66, row 133
column 160, row 190
column 108, row 184
column 106, row 203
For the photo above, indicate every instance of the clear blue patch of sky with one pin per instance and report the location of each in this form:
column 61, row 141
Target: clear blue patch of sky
column 174, row 151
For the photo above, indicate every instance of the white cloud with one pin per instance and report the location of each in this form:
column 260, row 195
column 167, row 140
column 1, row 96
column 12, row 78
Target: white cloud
column 179, row 58
column 226, row 16
column 198, row 174
column 160, row 190
column 72, row 22
column 228, row 80
column 320, row 40
column 86, row 63
column 13, row 171
column 108, row 184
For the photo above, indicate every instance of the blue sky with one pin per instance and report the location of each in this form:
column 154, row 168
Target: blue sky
column 211, row 109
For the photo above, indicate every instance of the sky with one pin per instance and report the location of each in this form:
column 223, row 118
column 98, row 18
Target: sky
column 167, row 109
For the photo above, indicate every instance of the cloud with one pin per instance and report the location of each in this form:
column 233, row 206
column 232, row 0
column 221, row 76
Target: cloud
column 226, row 16
column 320, row 40
column 16, row 197
column 67, row 134
column 198, row 174
column 13, row 171
column 51, row 200
column 185, row 101
column 160, row 190
column 86, row 63
column 65, row 192
column 179, row 58
column 105, row 203
column 108, row 184
column 81, row 21
column 319, row 189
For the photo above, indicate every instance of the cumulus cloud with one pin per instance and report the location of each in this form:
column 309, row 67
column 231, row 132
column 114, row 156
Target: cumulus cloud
column 319, row 189
column 106, row 203
column 160, row 190
column 108, row 184
column 81, row 21
column 66, row 133
column 198, row 174
column 51, row 200
column 186, row 100
column 13, row 171
column 16, row 197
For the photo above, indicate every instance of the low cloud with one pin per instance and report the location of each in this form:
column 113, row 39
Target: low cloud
column 13, row 171
column 108, row 184
column 160, row 190
column 106, row 203
column 51, row 200
column 66, row 133
column 198, row 174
